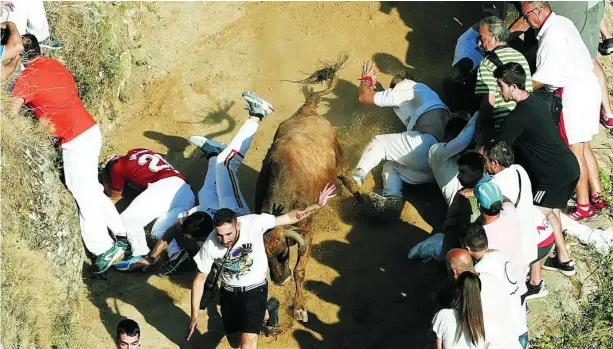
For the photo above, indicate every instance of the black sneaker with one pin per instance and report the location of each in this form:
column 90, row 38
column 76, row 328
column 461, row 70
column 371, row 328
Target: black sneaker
column 605, row 47
column 172, row 266
column 566, row 268
column 535, row 291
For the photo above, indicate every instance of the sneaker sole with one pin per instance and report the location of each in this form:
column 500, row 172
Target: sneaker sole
column 108, row 266
column 266, row 105
column 538, row 295
column 564, row 272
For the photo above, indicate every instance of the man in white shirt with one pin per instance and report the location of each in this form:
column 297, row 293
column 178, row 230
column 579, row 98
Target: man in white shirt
column 563, row 61
column 237, row 244
column 493, row 262
column 501, row 225
column 443, row 157
column 515, row 185
column 495, row 301
column 406, row 153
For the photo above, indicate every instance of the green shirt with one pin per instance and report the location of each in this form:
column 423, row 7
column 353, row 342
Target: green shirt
column 486, row 83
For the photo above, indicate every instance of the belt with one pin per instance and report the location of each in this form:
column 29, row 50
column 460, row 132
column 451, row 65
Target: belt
column 240, row 289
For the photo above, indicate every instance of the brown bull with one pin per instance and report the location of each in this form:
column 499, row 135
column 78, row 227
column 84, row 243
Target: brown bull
column 305, row 155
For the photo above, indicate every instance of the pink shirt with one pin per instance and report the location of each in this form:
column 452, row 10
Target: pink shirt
column 505, row 236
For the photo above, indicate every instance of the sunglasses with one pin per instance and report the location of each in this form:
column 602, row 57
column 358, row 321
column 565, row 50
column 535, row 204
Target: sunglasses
column 528, row 13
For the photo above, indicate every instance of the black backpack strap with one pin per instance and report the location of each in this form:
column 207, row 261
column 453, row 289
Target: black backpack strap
column 493, row 57
column 519, row 193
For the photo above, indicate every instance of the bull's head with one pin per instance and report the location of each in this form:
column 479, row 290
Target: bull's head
column 277, row 251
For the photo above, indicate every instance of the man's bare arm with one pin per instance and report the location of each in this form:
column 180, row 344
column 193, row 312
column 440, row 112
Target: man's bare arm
column 163, row 242
column 9, row 69
column 295, row 216
column 197, row 291
column 537, row 84
column 14, row 44
column 16, row 104
column 366, row 95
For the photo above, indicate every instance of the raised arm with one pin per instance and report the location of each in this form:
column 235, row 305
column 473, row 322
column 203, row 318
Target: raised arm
column 368, row 79
column 295, row 216
column 462, row 141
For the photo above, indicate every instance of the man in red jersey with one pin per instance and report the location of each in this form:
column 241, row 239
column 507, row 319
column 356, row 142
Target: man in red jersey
column 167, row 194
column 48, row 89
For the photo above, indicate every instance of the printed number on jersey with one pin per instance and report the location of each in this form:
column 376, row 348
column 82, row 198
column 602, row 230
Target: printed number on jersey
column 156, row 162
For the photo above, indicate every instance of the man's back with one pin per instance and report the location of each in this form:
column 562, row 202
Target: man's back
column 508, row 180
column 500, row 332
column 562, row 57
column 538, row 147
column 505, row 236
column 48, row 88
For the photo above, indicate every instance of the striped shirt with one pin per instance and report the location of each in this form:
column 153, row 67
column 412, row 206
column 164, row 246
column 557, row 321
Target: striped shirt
column 486, row 83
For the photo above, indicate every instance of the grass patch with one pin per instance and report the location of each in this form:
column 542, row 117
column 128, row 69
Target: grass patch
column 95, row 40
column 592, row 327
column 42, row 251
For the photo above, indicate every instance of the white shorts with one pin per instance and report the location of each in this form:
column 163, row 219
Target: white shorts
column 581, row 108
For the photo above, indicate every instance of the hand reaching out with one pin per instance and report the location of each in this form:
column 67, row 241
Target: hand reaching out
column 369, row 69
column 326, row 194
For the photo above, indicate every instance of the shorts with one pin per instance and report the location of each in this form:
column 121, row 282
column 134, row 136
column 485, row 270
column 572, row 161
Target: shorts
column 551, row 196
column 543, row 252
column 580, row 119
column 243, row 311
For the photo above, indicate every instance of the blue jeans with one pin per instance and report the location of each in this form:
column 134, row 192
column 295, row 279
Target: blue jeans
column 523, row 340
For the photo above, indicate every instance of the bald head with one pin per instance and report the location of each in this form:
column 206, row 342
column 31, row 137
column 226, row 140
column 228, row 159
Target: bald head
column 459, row 260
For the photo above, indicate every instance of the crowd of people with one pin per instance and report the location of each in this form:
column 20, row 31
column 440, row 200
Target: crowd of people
column 507, row 162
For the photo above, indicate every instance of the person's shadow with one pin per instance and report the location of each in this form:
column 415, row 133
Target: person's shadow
column 384, row 300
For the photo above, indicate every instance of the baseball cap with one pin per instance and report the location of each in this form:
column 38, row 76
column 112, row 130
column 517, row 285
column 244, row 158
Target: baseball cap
column 487, row 193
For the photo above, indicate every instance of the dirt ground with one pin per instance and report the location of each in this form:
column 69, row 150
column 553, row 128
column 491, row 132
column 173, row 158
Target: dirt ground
column 190, row 63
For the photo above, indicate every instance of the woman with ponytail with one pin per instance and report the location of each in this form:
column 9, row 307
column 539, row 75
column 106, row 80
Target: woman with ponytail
column 462, row 326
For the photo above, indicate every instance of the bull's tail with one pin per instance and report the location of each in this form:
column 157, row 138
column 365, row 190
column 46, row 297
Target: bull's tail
column 328, row 72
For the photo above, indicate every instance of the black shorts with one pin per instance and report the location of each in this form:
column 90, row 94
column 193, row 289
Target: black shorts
column 543, row 252
column 243, row 311
column 551, row 196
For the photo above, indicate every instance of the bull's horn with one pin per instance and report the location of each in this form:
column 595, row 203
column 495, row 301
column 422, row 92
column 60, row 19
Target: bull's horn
column 294, row 235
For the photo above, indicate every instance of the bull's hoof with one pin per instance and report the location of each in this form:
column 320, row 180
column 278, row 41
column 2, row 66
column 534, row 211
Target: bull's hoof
column 301, row 315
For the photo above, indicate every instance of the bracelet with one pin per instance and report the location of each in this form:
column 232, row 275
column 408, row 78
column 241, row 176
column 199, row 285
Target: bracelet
column 367, row 79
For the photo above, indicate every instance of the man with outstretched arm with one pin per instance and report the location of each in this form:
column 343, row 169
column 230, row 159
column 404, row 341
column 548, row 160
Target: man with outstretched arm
column 238, row 246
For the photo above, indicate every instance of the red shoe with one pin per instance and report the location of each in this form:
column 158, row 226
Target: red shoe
column 598, row 202
column 580, row 215
column 606, row 120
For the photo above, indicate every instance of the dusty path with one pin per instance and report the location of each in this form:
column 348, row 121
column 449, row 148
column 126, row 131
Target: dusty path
column 193, row 62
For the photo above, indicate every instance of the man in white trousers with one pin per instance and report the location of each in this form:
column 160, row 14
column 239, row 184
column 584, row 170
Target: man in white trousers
column 223, row 163
column 48, row 89
column 30, row 17
column 166, row 195
column 425, row 117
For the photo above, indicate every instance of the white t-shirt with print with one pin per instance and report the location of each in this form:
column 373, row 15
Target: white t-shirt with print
column 410, row 100
column 508, row 183
column 247, row 264
column 495, row 264
column 500, row 333
column 446, row 324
